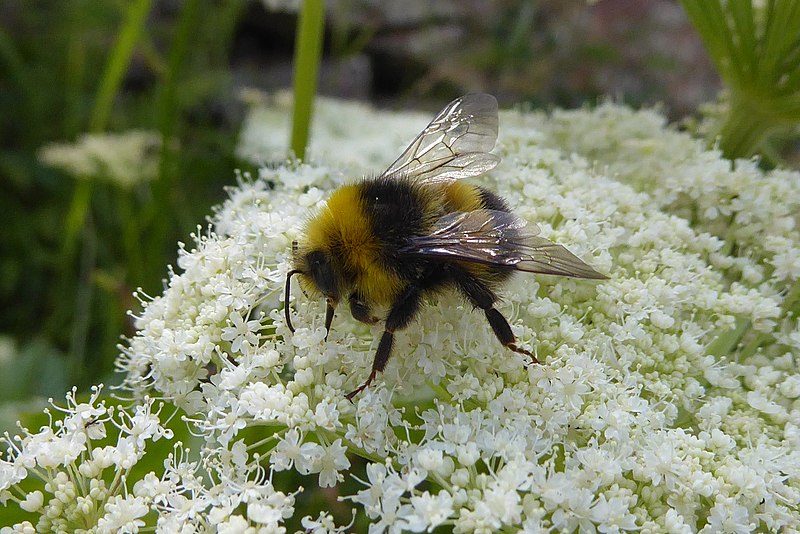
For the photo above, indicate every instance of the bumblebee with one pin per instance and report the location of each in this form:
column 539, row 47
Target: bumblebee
column 385, row 242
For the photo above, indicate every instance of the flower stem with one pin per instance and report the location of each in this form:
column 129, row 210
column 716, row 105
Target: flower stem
column 746, row 126
column 308, row 50
column 791, row 302
column 754, row 48
column 153, row 213
column 135, row 18
column 726, row 342
column 80, row 205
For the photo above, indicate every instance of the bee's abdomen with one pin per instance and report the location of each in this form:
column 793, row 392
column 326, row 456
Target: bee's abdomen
column 465, row 197
column 462, row 196
column 492, row 201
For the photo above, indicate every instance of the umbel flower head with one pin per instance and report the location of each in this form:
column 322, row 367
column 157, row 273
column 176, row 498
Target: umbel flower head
column 668, row 398
column 83, row 474
column 124, row 159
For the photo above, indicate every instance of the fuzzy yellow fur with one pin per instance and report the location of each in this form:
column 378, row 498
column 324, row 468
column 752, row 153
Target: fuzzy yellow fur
column 343, row 230
column 461, row 196
column 342, row 223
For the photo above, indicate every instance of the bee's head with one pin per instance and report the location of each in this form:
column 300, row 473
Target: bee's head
column 318, row 275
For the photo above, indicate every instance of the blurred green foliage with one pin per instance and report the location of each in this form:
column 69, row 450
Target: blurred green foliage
column 74, row 250
column 756, row 49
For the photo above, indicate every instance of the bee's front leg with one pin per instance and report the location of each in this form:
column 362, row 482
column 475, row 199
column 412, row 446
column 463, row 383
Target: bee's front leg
column 403, row 311
column 360, row 310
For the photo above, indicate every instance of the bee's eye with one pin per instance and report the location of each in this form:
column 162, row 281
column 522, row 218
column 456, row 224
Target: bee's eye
column 321, row 269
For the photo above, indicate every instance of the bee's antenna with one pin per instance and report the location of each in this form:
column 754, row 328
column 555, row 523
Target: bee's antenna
column 286, row 298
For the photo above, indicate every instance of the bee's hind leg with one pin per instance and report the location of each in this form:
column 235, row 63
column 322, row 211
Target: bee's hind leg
column 362, row 387
column 503, row 332
column 484, row 298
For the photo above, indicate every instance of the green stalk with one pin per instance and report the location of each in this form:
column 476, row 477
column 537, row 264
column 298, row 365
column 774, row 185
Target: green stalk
column 109, row 86
column 74, row 72
column 791, row 302
column 307, row 53
column 726, row 342
column 82, row 305
column 746, row 126
column 75, row 223
column 118, row 63
column 154, row 214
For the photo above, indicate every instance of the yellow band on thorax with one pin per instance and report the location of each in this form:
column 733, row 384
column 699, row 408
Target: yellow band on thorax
column 344, row 224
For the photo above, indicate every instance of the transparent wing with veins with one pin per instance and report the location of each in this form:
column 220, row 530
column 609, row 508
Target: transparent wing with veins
column 498, row 238
column 454, row 145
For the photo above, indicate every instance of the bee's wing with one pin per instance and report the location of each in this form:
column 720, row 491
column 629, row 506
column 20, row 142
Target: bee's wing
column 454, row 145
column 498, row 238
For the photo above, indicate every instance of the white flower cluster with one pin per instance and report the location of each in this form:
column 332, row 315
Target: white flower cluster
column 756, row 213
column 81, row 480
column 125, row 158
column 289, row 6
column 668, row 398
column 226, row 491
column 375, row 139
column 88, row 485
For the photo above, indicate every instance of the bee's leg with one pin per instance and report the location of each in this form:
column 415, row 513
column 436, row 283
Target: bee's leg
column 329, row 311
column 503, row 332
column 484, row 298
column 403, row 310
column 360, row 310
